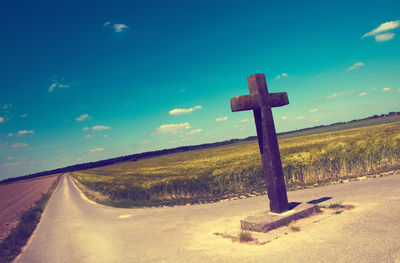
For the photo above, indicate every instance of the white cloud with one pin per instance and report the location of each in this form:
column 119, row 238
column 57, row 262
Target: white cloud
column 26, row 132
column 7, row 106
column 24, row 115
column 116, row 27
column 398, row 90
column 385, row 89
column 9, row 158
column 334, row 95
column 83, row 117
column 356, row 65
column 221, row 119
column 11, row 164
column 284, row 117
column 100, row 128
column 363, row 94
column 145, row 141
column 245, row 120
column 57, row 85
column 313, row 110
column 383, row 27
column 300, row 118
column 120, row 27
column 373, row 88
column 1, row 119
column 10, row 134
column 85, row 129
column 315, row 120
column 384, row 37
column 283, row 75
column 87, row 136
column 98, row 149
column 173, row 128
column 105, row 136
column 18, row 145
column 178, row 111
column 194, row 131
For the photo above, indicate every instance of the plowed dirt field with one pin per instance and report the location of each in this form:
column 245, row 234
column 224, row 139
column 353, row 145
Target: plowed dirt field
column 17, row 197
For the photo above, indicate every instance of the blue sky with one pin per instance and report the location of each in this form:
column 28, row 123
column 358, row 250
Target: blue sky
column 89, row 80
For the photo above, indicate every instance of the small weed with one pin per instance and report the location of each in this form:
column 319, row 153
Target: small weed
column 295, row 228
column 245, row 236
column 338, row 212
column 338, row 204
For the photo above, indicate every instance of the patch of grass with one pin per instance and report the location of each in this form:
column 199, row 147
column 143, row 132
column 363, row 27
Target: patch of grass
column 217, row 173
column 16, row 240
column 245, row 236
column 338, row 204
column 295, row 228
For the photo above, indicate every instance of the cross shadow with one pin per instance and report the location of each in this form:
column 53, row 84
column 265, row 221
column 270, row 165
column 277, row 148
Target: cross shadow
column 313, row 202
column 293, row 205
column 317, row 201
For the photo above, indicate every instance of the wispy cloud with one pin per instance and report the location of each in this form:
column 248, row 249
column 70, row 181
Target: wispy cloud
column 120, row 27
column 7, row 106
column 98, row 149
column 335, row 95
column 384, row 37
column 87, row 136
column 57, row 85
column 244, row 120
column 356, row 65
column 363, row 94
column 24, row 115
column 19, row 145
column 313, row 110
column 179, row 111
column 1, row 119
column 100, row 128
column 194, row 131
column 85, row 129
column 173, row 128
column 385, row 89
column 221, row 119
column 105, row 136
column 300, row 118
column 83, row 117
column 10, row 134
column 384, row 27
column 26, row 132
column 283, row 75
column 117, row 28
column 9, row 158
column 284, row 117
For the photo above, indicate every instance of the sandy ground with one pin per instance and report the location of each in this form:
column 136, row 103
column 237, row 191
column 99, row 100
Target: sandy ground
column 17, row 197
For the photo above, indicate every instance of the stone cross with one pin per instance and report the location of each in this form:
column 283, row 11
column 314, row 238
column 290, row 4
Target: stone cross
column 260, row 101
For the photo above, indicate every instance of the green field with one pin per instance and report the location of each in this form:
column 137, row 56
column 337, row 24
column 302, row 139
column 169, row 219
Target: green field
column 220, row 172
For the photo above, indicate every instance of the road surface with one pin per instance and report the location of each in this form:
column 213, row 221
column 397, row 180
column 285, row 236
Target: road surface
column 74, row 229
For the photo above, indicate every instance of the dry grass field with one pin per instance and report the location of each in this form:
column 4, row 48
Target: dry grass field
column 220, row 172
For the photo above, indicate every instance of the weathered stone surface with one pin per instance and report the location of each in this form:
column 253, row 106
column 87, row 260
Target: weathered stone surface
column 267, row 221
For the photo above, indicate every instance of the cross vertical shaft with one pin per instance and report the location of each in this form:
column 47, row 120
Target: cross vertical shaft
column 260, row 101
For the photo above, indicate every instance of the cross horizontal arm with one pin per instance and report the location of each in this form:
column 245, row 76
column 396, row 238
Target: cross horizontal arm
column 252, row 102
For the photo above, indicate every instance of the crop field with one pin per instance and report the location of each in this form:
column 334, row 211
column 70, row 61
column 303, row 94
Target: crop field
column 220, row 172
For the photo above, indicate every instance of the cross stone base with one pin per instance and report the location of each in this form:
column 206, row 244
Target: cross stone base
column 267, row 221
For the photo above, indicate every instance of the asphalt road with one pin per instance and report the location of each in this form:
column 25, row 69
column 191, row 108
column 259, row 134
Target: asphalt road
column 74, row 229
